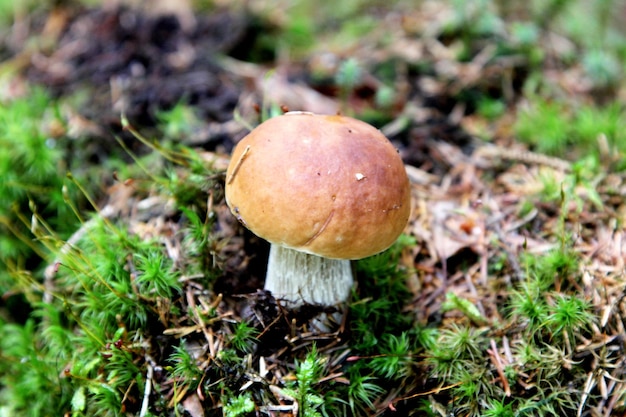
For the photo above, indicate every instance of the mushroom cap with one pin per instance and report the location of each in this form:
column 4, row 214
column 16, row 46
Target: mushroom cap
column 331, row 186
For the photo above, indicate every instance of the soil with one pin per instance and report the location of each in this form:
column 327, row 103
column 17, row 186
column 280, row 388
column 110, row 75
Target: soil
column 137, row 64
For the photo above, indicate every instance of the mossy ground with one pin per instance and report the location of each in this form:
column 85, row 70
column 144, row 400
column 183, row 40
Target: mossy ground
column 129, row 288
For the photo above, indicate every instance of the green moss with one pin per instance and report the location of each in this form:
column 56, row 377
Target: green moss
column 553, row 127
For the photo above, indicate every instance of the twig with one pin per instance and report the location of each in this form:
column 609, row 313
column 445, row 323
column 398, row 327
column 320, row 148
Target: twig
column 497, row 362
column 491, row 155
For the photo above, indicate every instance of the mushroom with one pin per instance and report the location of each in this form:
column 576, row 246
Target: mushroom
column 323, row 190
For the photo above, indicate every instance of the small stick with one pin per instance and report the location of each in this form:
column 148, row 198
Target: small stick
column 497, row 362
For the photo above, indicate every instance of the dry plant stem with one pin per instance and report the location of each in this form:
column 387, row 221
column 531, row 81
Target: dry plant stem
column 298, row 278
column 107, row 212
column 147, row 391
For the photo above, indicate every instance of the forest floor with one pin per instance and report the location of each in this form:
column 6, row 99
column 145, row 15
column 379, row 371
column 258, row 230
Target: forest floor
column 130, row 289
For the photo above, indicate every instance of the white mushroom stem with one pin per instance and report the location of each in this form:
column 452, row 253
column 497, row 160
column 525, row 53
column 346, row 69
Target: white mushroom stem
column 299, row 278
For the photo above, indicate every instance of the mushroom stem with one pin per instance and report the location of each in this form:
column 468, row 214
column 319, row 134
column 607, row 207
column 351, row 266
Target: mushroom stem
column 299, row 278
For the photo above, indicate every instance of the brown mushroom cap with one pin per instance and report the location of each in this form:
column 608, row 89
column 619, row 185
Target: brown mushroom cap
column 331, row 186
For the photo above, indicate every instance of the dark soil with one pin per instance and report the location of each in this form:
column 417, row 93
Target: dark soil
column 139, row 65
